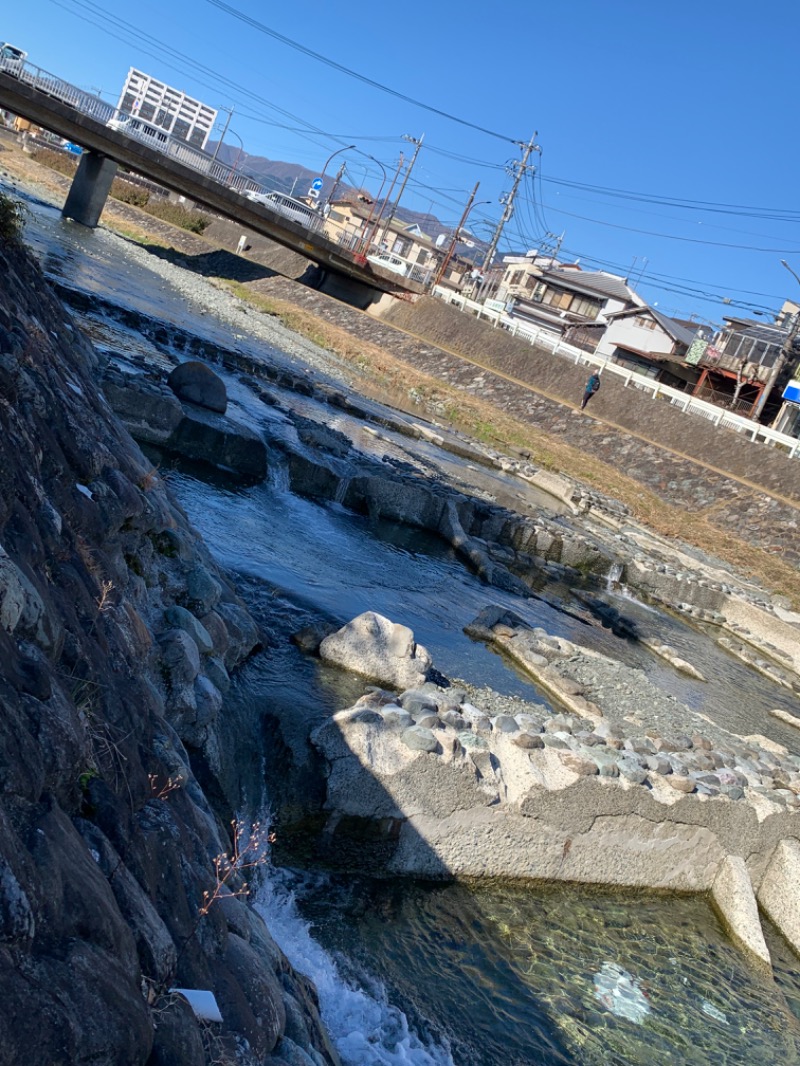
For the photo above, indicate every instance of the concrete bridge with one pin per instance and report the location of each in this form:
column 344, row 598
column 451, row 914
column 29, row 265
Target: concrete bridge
column 343, row 273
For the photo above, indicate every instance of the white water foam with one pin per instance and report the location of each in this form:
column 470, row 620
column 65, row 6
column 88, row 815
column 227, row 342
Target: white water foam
column 365, row 1028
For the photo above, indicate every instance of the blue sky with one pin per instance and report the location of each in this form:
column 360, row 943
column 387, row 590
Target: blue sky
column 667, row 131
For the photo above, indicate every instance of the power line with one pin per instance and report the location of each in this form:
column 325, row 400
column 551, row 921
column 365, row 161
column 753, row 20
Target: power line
column 774, row 213
column 674, row 237
column 256, row 25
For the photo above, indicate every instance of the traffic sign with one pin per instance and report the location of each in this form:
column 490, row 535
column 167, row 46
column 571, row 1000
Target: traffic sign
column 313, row 193
column 317, row 184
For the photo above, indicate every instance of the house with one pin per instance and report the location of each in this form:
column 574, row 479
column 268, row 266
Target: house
column 651, row 343
column 739, row 363
column 358, row 226
column 560, row 297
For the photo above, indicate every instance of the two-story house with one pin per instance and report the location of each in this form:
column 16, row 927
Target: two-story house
column 560, row 297
column 738, row 363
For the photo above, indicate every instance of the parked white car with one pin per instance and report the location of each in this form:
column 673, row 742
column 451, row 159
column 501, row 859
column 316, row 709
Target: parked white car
column 295, row 210
column 389, row 261
column 141, row 130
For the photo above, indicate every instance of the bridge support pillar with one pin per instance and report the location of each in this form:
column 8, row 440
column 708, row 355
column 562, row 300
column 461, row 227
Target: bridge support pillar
column 89, row 190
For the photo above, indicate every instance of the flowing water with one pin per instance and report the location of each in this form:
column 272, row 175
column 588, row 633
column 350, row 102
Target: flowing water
column 472, row 974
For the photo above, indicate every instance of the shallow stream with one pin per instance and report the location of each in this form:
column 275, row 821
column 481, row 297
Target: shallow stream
column 485, row 975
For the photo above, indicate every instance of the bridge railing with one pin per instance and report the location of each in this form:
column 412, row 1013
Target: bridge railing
column 82, row 101
column 552, row 342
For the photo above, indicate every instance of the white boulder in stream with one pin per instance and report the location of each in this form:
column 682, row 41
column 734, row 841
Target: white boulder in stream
column 379, row 649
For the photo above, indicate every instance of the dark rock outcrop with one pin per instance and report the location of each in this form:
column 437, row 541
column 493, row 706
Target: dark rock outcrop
column 117, row 637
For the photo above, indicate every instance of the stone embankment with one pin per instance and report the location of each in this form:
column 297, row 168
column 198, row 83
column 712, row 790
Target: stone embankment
column 118, row 640
column 626, row 787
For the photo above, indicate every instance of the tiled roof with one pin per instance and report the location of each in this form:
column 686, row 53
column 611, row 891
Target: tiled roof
column 675, row 329
column 593, row 282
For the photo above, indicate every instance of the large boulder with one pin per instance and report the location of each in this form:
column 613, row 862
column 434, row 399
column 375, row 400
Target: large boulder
column 379, row 649
column 197, row 383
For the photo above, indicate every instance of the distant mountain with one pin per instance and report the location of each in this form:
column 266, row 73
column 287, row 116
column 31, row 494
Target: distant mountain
column 295, row 180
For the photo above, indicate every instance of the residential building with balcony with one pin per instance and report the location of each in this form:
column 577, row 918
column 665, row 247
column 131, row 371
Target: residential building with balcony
column 737, row 363
column 561, row 297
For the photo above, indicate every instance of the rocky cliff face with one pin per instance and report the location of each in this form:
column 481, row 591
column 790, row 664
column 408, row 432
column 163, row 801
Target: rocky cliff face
column 117, row 639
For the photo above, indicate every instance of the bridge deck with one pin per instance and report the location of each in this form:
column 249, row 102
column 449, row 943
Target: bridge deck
column 67, row 122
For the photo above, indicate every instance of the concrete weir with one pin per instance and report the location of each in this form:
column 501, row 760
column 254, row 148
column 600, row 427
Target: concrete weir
column 425, row 783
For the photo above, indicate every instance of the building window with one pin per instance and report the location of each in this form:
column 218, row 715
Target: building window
column 557, row 298
column 586, row 306
column 644, row 322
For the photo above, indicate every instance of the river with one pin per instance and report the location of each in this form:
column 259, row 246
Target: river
column 471, row 974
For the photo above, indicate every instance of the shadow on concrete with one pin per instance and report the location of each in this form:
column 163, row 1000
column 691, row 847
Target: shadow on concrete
column 215, row 264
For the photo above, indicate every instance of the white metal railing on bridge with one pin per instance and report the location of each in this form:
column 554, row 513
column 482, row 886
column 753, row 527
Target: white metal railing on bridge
column 47, row 83
column 543, row 338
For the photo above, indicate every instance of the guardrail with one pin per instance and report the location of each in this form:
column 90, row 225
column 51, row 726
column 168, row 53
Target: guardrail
column 48, row 83
column 552, row 342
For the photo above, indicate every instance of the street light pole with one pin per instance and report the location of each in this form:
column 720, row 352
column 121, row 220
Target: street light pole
column 377, row 198
column 786, row 352
column 335, row 186
column 330, row 157
column 218, row 145
column 369, row 236
column 235, row 163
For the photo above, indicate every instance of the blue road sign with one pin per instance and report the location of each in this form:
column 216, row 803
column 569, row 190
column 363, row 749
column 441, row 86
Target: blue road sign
column 316, row 184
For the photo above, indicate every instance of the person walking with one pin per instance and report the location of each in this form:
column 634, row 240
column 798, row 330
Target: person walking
column 592, row 386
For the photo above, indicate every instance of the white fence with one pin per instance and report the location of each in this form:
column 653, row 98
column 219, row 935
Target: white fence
column 543, row 338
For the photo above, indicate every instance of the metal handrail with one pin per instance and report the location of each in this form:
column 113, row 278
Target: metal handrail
column 543, row 338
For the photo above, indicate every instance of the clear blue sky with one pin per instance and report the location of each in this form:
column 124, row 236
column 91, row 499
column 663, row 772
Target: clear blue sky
column 668, row 130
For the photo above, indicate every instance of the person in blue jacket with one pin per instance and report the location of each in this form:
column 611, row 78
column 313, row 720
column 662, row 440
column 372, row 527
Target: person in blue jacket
column 592, row 386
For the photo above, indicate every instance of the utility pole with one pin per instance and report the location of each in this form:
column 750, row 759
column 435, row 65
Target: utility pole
column 335, row 186
column 418, row 145
column 783, row 356
column 519, row 169
column 451, row 249
column 367, row 235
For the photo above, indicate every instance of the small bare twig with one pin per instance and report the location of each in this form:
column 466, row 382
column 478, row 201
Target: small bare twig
column 104, row 599
column 249, row 851
column 161, row 792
